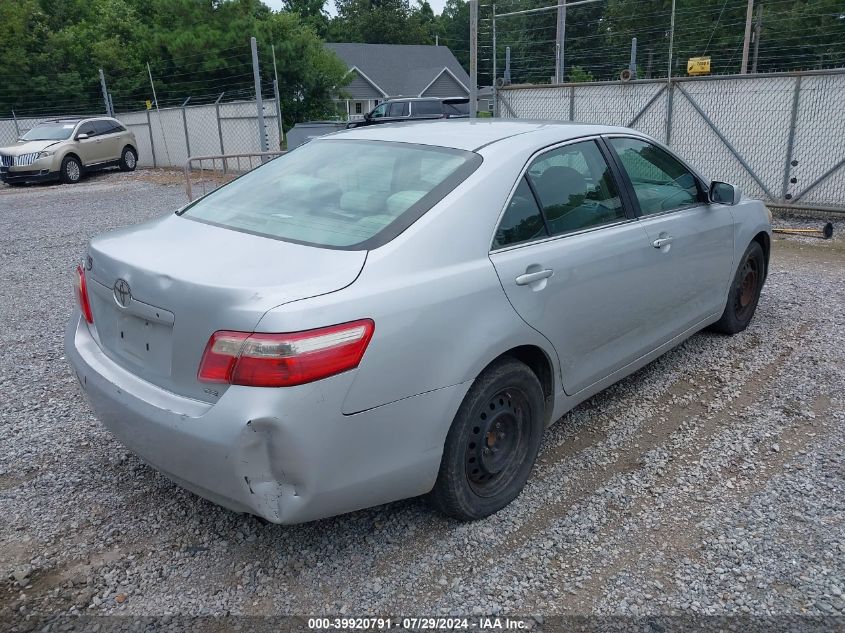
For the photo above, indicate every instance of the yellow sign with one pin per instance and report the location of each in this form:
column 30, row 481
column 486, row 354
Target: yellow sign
column 698, row 66
column 149, row 105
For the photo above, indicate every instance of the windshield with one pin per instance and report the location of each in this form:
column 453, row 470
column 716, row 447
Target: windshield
column 50, row 132
column 338, row 193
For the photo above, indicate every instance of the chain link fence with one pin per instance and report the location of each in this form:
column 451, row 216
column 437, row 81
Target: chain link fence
column 777, row 136
column 167, row 137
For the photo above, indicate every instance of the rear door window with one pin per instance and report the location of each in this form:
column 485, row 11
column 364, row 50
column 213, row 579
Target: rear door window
column 104, row 127
column 522, row 221
column 456, row 108
column 398, row 108
column 575, row 188
column 427, row 108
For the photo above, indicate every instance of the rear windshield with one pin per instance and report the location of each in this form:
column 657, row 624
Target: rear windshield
column 50, row 132
column 345, row 194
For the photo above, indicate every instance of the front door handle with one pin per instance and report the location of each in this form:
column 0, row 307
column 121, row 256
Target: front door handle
column 529, row 278
column 663, row 241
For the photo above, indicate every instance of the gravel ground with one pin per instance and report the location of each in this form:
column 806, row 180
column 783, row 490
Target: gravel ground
column 712, row 482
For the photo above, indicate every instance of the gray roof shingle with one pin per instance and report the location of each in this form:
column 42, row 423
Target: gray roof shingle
column 401, row 70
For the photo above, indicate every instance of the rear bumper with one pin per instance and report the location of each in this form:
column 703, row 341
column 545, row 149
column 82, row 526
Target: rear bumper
column 37, row 175
column 288, row 455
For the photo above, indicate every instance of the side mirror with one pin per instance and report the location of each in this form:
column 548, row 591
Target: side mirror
column 81, row 137
column 724, row 193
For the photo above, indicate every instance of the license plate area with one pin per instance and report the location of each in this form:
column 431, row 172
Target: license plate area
column 144, row 342
column 138, row 336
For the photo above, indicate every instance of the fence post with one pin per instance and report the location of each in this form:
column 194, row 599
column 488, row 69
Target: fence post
column 571, row 103
column 796, row 94
column 220, row 128
column 279, row 113
column 473, row 59
column 262, row 131
column 670, row 97
column 152, row 143
column 282, row 142
column 17, row 127
column 185, row 124
column 105, row 93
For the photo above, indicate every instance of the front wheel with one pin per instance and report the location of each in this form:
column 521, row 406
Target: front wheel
column 71, row 170
column 744, row 293
column 492, row 443
column 128, row 159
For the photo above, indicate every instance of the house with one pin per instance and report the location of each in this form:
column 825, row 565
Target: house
column 384, row 71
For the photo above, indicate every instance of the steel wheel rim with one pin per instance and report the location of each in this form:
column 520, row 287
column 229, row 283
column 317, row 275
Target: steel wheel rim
column 72, row 170
column 497, row 442
column 129, row 159
column 746, row 288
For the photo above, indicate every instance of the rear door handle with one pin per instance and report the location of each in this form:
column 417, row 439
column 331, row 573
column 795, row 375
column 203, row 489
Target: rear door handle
column 663, row 241
column 530, row 278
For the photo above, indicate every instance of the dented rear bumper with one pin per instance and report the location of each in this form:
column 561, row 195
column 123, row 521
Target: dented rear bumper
column 288, row 455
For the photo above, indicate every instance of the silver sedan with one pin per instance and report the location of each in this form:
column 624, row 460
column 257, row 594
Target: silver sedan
column 398, row 311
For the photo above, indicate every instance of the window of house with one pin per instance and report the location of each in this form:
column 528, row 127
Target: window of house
column 359, row 107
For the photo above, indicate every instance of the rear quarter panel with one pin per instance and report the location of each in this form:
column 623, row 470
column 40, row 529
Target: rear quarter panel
column 439, row 309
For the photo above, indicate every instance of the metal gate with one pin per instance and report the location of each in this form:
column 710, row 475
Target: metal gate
column 778, row 136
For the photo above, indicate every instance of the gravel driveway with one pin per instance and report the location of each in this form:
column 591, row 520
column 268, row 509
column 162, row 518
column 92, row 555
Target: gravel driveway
column 710, row 482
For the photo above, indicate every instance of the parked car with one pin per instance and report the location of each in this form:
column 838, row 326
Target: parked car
column 64, row 149
column 395, row 110
column 402, row 310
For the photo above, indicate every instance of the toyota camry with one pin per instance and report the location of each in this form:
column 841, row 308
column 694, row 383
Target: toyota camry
column 402, row 310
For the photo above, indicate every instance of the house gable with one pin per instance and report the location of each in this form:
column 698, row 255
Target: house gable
column 445, row 85
column 362, row 88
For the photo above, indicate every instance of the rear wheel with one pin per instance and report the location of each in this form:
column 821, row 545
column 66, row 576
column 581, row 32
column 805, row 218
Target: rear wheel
column 744, row 293
column 492, row 443
column 128, row 159
column 71, row 170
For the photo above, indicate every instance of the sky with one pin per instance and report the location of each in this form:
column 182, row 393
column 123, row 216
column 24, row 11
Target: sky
column 437, row 5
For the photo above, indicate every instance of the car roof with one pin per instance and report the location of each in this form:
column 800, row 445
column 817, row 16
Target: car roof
column 473, row 134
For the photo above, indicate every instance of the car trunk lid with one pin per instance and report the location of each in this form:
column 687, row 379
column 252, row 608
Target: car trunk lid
column 160, row 289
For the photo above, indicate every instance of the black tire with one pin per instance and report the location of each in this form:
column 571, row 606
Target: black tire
column 504, row 407
column 71, row 172
column 128, row 159
column 744, row 293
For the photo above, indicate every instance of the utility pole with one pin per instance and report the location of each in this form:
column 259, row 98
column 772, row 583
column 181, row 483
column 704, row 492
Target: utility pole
column 671, row 40
column 473, row 59
column 278, row 100
column 105, row 93
column 560, row 41
column 262, row 132
column 758, row 25
column 747, row 39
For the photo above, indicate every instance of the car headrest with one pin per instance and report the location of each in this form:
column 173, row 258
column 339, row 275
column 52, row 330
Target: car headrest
column 558, row 184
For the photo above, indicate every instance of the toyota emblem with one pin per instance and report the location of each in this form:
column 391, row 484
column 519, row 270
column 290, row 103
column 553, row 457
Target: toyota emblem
column 122, row 293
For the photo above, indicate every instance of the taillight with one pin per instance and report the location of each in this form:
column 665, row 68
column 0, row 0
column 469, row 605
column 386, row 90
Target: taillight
column 82, row 294
column 283, row 360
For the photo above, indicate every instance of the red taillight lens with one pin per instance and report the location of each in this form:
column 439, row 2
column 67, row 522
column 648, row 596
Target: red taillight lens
column 284, row 360
column 82, row 295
